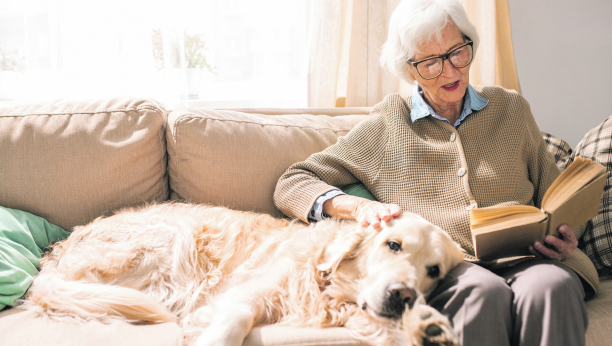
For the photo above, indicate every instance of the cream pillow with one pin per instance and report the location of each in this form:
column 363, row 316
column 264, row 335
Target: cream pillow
column 70, row 162
column 234, row 159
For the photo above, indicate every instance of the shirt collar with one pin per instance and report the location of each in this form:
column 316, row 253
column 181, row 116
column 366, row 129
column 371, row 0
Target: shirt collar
column 420, row 108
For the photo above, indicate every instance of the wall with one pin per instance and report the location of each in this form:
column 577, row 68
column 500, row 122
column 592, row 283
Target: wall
column 563, row 52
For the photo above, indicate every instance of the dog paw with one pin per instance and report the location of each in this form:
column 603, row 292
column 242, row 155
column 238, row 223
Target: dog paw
column 438, row 336
column 431, row 328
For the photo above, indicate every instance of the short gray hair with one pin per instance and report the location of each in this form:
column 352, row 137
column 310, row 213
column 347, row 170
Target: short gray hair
column 415, row 22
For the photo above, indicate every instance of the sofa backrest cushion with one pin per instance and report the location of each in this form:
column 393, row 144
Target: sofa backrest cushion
column 72, row 161
column 234, row 159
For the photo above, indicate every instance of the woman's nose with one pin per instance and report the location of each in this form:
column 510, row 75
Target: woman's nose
column 448, row 70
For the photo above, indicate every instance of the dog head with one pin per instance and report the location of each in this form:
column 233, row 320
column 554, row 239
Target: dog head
column 404, row 262
column 395, row 265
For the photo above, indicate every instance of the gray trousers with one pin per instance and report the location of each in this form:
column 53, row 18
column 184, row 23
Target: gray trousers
column 536, row 302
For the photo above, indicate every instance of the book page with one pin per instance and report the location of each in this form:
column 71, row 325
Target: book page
column 578, row 174
column 578, row 208
column 482, row 217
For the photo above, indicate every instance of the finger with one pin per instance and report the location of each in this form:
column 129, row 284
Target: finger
column 535, row 253
column 363, row 221
column 374, row 221
column 383, row 213
column 546, row 252
column 379, row 211
column 567, row 232
column 362, row 212
column 390, row 211
column 395, row 210
column 555, row 242
column 570, row 241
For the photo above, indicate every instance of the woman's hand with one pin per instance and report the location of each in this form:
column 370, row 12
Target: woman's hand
column 556, row 248
column 365, row 211
column 372, row 213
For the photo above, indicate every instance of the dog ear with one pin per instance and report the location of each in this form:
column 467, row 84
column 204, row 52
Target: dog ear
column 454, row 253
column 344, row 246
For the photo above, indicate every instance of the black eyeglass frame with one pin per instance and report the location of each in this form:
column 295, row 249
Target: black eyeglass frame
column 444, row 57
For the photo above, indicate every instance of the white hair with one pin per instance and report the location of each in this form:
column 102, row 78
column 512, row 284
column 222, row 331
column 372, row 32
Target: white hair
column 415, row 22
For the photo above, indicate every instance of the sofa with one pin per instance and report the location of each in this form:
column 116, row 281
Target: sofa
column 72, row 161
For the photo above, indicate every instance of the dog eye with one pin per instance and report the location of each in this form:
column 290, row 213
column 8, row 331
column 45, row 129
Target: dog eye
column 393, row 246
column 433, row 271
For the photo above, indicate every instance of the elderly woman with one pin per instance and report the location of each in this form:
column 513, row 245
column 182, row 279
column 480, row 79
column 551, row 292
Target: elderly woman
column 446, row 149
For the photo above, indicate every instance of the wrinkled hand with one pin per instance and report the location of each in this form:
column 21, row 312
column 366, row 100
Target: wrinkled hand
column 556, row 248
column 372, row 212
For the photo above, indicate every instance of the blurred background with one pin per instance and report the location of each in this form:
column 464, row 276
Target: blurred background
column 215, row 53
column 290, row 53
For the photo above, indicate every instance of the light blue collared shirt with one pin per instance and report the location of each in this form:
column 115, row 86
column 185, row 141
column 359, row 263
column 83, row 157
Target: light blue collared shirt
column 420, row 109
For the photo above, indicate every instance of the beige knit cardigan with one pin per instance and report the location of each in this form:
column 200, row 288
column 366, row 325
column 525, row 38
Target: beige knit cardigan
column 496, row 157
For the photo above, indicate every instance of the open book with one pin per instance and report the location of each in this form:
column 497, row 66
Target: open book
column 572, row 199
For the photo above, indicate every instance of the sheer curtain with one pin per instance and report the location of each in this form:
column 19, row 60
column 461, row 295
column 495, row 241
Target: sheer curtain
column 345, row 41
column 494, row 63
column 345, row 38
column 219, row 53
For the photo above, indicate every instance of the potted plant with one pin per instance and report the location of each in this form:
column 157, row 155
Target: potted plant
column 12, row 66
column 195, row 62
column 186, row 53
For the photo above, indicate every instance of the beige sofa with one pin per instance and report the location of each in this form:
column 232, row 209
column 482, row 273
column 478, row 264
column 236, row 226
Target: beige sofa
column 70, row 162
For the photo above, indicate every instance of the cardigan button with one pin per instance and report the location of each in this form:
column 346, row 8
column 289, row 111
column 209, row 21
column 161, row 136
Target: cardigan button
column 461, row 172
column 453, row 136
column 471, row 206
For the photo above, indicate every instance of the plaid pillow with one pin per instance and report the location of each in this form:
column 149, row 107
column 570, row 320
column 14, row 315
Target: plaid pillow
column 596, row 241
column 559, row 148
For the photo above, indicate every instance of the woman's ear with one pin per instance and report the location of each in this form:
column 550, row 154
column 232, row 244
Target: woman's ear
column 409, row 73
column 343, row 247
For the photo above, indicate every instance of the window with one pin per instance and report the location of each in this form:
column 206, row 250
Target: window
column 184, row 53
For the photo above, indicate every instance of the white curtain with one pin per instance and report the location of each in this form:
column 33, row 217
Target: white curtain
column 344, row 41
column 257, row 51
column 494, row 62
column 345, row 37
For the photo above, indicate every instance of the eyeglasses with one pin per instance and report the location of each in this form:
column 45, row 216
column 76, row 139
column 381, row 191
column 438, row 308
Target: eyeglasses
column 431, row 68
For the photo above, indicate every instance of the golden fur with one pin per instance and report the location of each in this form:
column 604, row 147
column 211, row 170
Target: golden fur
column 220, row 272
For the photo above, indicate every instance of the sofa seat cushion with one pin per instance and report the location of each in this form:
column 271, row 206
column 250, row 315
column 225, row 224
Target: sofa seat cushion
column 600, row 314
column 19, row 327
column 69, row 162
column 234, row 159
column 274, row 335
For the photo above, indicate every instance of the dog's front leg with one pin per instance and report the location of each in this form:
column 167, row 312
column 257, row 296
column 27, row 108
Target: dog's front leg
column 233, row 316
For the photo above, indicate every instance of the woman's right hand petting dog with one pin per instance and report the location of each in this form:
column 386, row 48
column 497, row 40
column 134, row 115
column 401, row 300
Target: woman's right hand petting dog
column 365, row 211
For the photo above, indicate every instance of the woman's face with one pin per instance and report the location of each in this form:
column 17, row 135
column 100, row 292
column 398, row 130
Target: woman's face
column 450, row 86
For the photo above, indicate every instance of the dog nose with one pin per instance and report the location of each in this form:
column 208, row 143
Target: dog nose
column 400, row 293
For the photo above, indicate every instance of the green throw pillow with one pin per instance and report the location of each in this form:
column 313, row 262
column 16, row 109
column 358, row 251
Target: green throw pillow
column 359, row 190
column 23, row 240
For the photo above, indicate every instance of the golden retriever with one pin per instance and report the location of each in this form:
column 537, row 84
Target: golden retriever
column 220, row 272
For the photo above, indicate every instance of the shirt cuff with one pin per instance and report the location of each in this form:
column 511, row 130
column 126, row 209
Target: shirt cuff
column 316, row 213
